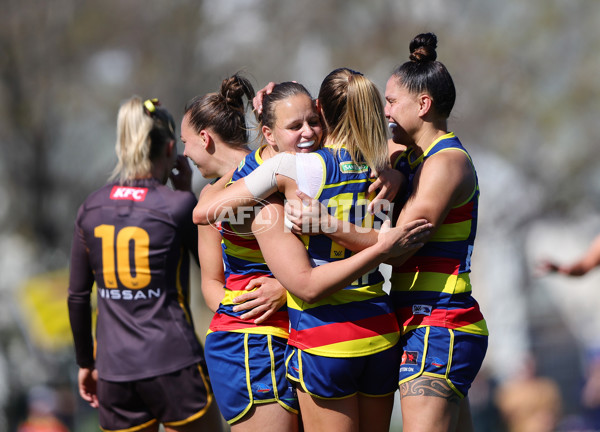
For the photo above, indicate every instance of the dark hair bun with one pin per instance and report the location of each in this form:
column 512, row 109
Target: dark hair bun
column 422, row 48
column 234, row 88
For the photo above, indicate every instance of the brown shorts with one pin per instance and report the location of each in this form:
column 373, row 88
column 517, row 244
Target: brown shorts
column 173, row 399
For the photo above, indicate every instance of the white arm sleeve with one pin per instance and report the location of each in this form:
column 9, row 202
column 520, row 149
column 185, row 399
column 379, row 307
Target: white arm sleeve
column 309, row 173
column 262, row 182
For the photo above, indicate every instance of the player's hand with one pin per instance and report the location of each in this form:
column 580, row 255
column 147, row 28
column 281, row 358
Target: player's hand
column 388, row 182
column 265, row 296
column 403, row 239
column 257, row 101
column 181, row 174
column 309, row 217
column 87, row 380
column 546, row 267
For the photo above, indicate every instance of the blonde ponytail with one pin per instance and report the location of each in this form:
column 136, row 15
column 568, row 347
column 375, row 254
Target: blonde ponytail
column 133, row 141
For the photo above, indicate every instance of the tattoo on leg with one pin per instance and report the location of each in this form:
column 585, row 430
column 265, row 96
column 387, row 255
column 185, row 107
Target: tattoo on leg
column 428, row 386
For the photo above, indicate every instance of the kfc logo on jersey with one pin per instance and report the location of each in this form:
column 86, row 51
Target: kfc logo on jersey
column 128, row 193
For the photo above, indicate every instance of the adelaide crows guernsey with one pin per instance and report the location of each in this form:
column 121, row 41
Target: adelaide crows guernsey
column 359, row 319
column 134, row 241
column 433, row 287
column 243, row 262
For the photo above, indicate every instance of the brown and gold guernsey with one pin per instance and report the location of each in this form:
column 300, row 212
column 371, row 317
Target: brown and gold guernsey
column 134, row 242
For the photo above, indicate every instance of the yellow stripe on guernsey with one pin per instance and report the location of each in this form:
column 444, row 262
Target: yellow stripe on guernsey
column 242, row 252
column 264, row 330
column 431, row 281
column 341, row 297
column 452, row 232
column 478, row 328
column 358, row 347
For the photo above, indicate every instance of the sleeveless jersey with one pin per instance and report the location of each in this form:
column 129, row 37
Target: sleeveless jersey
column 134, row 241
column 359, row 319
column 433, row 287
column 243, row 262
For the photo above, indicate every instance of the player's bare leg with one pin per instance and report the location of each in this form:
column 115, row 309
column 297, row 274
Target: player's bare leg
column 430, row 405
column 375, row 413
column 270, row 417
column 325, row 415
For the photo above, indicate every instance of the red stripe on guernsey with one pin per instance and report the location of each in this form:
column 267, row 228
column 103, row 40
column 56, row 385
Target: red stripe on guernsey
column 248, row 243
column 460, row 214
column 341, row 332
column 223, row 322
column 128, row 193
column 429, row 265
column 447, row 318
column 237, row 282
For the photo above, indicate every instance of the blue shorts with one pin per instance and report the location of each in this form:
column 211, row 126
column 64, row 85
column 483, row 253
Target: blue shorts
column 339, row 377
column 454, row 356
column 173, row 399
column 247, row 369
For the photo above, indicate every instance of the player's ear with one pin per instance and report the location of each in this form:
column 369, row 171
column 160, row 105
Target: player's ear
column 206, row 139
column 268, row 134
column 171, row 148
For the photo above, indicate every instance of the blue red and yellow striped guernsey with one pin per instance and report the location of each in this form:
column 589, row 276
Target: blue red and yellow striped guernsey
column 433, row 287
column 243, row 262
column 359, row 319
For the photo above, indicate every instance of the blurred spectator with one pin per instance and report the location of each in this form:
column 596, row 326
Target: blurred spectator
column 528, row 402
column 41, row 417
column 589, row 417
column 483, row 408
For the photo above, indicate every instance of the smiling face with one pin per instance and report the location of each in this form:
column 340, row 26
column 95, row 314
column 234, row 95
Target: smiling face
column 297, row 126
column 195, row 148
column 402, row 112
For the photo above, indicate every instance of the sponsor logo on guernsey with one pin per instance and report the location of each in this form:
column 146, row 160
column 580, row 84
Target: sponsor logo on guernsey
column 410, row 357
column 133, row 295
column 128, row 193
column 437, row 362
column 353, row 168
column 262, row 389
column 241, row 164
column 422, row 310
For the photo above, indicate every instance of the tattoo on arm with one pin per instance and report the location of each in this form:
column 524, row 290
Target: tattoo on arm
column 429, row 386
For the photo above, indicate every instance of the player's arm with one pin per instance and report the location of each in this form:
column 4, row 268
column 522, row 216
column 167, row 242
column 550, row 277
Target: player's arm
column 309, row 216
column 210, row 195
column 81, row 282
column 288, row 259
column 584, row 265
column 212, row 274
column 443, row 181
column 259, row 184
column 210, row 257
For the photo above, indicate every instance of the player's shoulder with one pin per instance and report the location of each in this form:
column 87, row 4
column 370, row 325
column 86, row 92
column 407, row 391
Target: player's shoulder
column 176, row 198
column 98, row 196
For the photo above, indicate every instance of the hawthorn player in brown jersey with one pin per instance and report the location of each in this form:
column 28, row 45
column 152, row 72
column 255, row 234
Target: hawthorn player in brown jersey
column 133, row 238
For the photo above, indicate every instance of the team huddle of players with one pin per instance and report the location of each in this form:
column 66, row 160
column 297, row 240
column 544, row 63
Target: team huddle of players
column 304, row 336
